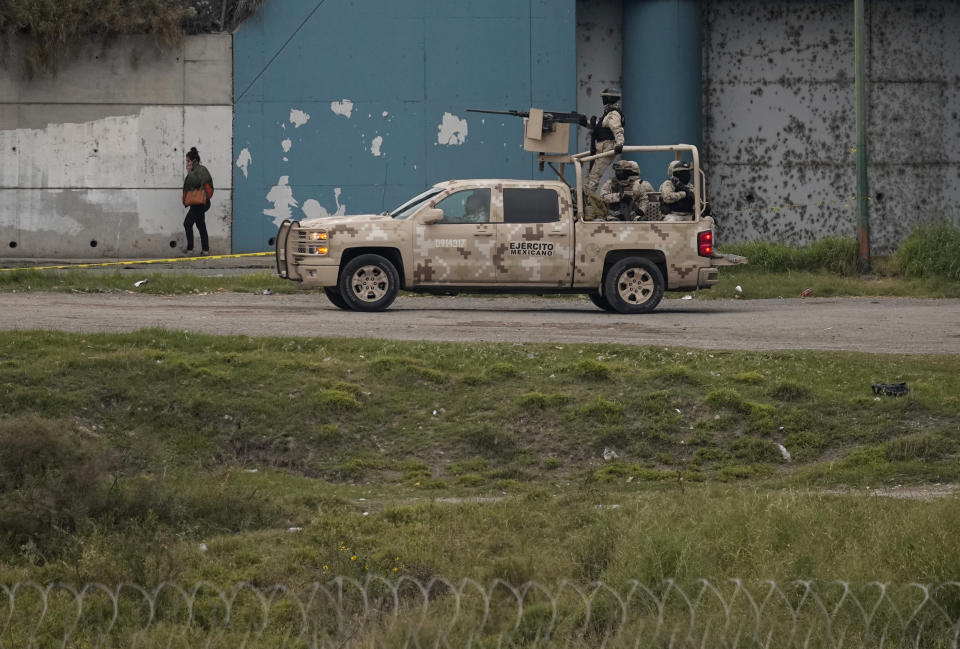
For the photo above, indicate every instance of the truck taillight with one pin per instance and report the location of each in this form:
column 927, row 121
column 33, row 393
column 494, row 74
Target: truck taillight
column 705, row 244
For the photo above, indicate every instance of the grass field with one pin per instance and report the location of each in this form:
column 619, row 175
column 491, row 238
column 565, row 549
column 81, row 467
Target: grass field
column 325, row 422
column 160, row 457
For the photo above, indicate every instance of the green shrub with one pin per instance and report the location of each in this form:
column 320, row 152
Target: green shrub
column 833, row 255
column 707, row 455
column 791, row 391
column 588, row 370
column 729, row 399
column 487, row 439
column 755, row 450
column 400, row 367
column 337, row 401
column 49, row 476
column 930, row 251
column 471, row 480
column 601, row 410
column 677, row 375
column 749, row 377
column 804, row 446
column 468, row 466
column 924, row 446
column 502, row 371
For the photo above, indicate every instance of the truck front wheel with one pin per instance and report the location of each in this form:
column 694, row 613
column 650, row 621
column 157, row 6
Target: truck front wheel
column 368, row 283
column 600, row 301
column 633, row 285
column 333, row 294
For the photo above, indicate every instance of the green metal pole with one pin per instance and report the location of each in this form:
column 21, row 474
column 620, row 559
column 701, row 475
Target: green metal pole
column 860, row 63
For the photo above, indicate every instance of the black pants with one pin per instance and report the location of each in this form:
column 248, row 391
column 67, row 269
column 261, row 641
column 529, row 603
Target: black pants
column 197, row 215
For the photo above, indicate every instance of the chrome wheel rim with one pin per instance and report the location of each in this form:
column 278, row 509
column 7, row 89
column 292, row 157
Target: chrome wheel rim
column 635, row 286
column 369, row 283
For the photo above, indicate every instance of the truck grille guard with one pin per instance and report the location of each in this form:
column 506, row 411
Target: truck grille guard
column 283, row 248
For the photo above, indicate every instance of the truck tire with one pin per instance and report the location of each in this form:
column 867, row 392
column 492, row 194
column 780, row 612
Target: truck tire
column 333, row 294
column 600, row 301
column 633, row 285
column 368, row 283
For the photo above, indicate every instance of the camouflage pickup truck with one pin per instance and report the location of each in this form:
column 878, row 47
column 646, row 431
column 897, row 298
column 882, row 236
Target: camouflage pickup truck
column 504, row 236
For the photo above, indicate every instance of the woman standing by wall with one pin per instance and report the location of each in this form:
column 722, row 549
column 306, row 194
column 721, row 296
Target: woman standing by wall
column 197, row 192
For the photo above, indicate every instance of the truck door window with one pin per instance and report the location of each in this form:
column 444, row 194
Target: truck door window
column 467, row 206
column 522, row 205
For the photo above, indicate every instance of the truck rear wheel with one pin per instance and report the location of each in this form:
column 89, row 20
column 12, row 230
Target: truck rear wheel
column 333, row 294
column 368, row 283
column 633, row 285
column 600, row 301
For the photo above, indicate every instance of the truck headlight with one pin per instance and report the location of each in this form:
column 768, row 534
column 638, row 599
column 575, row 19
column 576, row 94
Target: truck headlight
column 317, row 250
column 316, row 236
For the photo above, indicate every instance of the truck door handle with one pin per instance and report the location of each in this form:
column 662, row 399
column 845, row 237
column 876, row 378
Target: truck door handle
column 558, row 233
column 484, row 232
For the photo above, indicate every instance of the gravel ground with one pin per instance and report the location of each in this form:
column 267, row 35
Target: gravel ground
column 879, row 325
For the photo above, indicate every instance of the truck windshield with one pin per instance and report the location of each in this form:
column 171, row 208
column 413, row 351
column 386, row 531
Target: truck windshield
column 406, row 209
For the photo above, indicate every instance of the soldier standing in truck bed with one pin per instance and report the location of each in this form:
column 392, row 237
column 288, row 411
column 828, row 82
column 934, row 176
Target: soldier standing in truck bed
column 608, row 136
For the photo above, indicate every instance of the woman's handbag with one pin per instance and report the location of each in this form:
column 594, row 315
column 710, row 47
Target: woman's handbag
column 195, row 197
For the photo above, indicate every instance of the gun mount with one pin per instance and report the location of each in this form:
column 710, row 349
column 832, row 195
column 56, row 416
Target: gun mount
column 545, row 131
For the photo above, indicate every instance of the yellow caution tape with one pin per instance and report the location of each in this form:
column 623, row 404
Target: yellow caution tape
column 133, row 262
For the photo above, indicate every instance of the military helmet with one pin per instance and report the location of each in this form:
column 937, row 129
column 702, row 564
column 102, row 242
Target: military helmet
column 678, row 165
column 627, row 167
column 609, row 96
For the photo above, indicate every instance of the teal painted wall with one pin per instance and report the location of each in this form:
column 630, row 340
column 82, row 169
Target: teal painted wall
column 662, row 75
column 340, row 105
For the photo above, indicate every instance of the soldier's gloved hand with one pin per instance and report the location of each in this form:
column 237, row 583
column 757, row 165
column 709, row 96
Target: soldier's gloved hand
column 687, row 193
column 677, row 185
column 618, row 149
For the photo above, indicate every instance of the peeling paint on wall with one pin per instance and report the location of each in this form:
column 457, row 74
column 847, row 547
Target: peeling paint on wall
column 313, row 209
column 375, row 146
column 452, row 130
column 286, row 145
column 281, row 195
column 343, row 107
column 298, row 118
column 243, row 161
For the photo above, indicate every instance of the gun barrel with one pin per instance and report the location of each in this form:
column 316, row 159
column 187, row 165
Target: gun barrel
column 515, row 113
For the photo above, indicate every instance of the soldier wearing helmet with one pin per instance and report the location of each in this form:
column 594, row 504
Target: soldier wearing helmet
column 626, row 194
column 607, row 136
column 677, row 196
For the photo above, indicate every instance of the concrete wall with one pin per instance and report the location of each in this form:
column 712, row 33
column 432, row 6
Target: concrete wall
column 353, row 107
column 91, row 160
column 779, row 129
column 599, row 56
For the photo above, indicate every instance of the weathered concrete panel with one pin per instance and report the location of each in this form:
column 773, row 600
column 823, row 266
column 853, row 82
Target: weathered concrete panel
column 599, row 55
column 129, row 70
column 779, row 131
column 93, row 158
column 91, row 223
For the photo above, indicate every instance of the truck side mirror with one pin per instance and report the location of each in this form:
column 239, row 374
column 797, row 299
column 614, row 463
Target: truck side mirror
column 430, row 216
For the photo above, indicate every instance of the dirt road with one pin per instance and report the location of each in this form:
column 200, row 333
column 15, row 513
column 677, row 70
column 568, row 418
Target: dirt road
column 886, row 325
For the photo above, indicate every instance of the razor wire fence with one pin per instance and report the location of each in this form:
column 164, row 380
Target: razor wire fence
column 443, row 613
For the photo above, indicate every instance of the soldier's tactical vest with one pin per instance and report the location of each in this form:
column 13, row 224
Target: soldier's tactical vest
column 682, row 206
column 604, row 133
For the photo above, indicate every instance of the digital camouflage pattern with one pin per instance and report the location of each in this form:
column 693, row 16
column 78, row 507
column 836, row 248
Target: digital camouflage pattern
column 569, row 253
column 612, row 190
